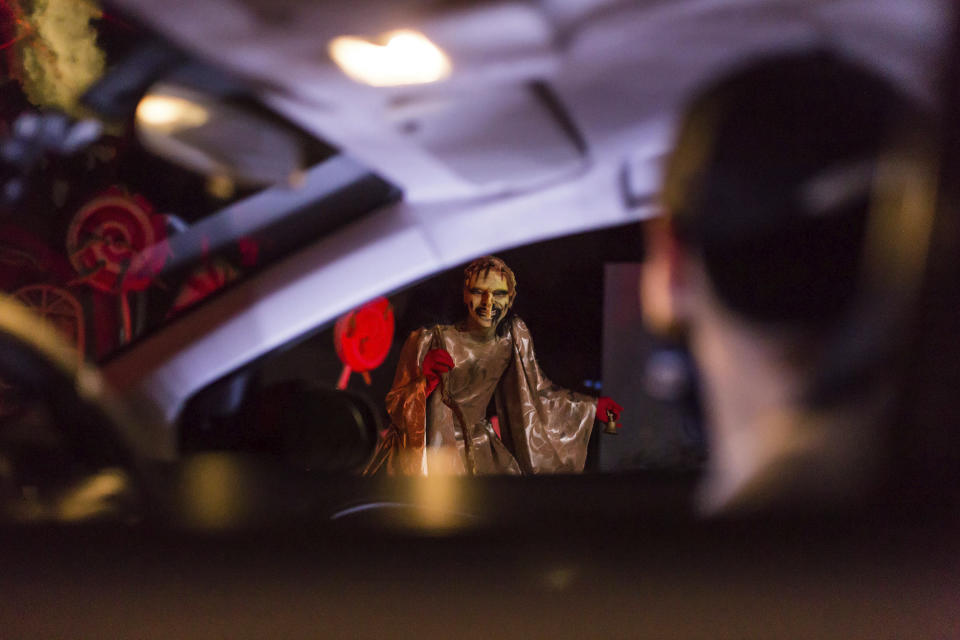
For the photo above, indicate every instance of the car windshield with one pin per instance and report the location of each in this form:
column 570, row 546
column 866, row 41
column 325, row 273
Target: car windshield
column 525, row 238
column 470, row 319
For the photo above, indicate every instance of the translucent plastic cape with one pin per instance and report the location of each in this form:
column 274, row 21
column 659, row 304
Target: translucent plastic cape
column 544, row 428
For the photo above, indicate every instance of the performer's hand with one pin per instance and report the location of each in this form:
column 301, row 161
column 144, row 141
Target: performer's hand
column 606, row 406
column 436, row 363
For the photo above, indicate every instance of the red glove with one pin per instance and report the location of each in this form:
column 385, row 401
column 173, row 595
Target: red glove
column 435, row 363
column 605, row 405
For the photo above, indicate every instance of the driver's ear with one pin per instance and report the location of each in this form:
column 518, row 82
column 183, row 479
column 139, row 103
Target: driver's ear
column 665, row 291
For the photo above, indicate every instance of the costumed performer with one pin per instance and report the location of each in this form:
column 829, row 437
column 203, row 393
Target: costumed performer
column 447, row 376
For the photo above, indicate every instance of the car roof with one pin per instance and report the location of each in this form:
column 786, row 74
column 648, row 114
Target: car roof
column 618, row 68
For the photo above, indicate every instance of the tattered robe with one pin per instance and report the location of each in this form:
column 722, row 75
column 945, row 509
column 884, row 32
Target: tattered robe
column 544, row 428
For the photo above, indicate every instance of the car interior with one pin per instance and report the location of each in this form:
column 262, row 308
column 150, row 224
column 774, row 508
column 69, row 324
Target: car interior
column 182, row 438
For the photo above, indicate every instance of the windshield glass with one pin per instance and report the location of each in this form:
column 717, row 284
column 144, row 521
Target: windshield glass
column 777, row 156
column 114, row 241
column 576, row 301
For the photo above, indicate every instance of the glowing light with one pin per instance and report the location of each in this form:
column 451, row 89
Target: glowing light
column 559, row 578
column 405, row 57
column 210, row 492
column 170, row 113
column 95, row 496
column 440, row 502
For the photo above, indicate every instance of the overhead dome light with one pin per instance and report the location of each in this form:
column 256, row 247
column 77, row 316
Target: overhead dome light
column 170, row 113
column 405, row 57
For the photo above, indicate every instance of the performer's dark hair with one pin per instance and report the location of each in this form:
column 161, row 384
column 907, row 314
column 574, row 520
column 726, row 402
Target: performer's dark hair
column 485, row 265
column 771, row 180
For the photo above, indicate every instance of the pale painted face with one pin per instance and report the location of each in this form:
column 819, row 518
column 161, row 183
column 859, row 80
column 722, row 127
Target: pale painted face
column 487, row 297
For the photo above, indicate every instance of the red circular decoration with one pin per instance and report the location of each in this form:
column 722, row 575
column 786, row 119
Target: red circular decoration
column 106, row 236
column 59, row 307
column 24, row 257
column 363, row 336
column 202, row 282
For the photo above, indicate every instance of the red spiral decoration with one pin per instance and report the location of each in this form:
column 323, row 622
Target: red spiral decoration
column 363, row 338
column 108, row 235
column 204, row 281
column 59, row 307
